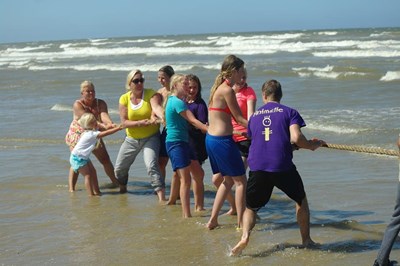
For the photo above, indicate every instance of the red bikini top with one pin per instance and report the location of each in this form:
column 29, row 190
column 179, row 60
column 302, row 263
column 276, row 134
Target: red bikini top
column 225, row 110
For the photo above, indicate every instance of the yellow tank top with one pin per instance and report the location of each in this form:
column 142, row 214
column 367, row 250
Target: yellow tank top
column 139, row 112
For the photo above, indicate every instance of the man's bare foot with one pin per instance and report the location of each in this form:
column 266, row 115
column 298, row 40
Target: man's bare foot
column 237, row 250
column 122, row 189
column 212, row 225
column 199, row 209
column 71, row 190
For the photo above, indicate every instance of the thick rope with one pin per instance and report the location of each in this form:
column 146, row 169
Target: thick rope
column 362, row 149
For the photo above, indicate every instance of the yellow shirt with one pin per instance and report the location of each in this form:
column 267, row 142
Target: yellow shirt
column 139, row 112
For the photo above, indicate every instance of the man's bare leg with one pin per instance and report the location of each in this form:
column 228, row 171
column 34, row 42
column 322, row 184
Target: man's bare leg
column 249, row 220
column 303, row 220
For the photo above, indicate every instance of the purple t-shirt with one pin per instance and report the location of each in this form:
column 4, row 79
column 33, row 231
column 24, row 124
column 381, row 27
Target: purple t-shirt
column 270, row 148
column 199, row 109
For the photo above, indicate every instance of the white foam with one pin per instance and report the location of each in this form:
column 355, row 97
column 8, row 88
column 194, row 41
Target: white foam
column 325, row 72
column 68, row 108
column 113, row 67
column 328, row 33
column 257, row 44
column 358, row 53
column 391, row 75
column 61, row 108
column 332, row 128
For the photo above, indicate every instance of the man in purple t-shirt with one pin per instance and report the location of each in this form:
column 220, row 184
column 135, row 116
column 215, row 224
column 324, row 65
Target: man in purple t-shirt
column 275, row 129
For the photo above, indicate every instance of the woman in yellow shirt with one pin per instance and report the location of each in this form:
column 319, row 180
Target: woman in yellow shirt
column 140, row 112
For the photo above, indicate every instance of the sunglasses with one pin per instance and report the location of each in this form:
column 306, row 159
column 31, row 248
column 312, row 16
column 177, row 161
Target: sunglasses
column 136, row 81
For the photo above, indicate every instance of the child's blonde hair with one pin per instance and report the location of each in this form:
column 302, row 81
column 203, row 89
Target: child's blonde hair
column 175, row 79
column 87, row 120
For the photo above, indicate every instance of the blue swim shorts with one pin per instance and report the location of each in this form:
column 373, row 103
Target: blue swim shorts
column 224, row 156
column 77, row 162
column 179, row 153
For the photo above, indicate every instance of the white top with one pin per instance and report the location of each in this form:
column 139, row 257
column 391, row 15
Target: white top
column 86, row 144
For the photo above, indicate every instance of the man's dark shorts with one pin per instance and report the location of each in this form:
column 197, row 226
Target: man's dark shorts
column 261, row 183
column 244, row 147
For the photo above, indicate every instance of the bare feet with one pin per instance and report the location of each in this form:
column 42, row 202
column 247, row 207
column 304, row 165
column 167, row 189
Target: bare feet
column 71, row 190
column 212, row 225
column 237, row 250
column 115, row 182
column 161, row 195
column 122, row 189
column 163, row 202
column 231, row 212
column 199, row 209
column 171, row 202
column 309, row 244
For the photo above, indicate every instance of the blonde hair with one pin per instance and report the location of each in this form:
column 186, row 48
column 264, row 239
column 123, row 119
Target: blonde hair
column 87, row 120
column 231, row 62
column 130, row 77
column 86, row 84
column 175, row 79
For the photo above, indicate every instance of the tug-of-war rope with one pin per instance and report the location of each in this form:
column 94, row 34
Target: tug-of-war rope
column 356, row 148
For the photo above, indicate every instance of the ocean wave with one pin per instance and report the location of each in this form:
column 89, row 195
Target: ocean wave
column 115, row 67
column 68, row 108
column 28, row 48
column 390, row 76
column 333, row 128
column 358, row 53
column 97, row 40
column 328, row 33
column 325, row 72
column 352, row 121
column 221, row 45
column 381, row 34
column 61, row 108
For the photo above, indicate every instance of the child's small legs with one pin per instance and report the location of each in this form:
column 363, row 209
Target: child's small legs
column 85, row 171
column 95, row 182
column 174, row 192
column 198, row 185
column 89, row 185
column 184, row 191
column 72, row 179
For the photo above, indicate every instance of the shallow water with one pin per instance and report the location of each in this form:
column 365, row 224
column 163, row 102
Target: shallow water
column 42, row 223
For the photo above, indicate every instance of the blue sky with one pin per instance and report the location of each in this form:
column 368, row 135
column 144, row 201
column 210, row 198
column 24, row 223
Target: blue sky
column 43, row 20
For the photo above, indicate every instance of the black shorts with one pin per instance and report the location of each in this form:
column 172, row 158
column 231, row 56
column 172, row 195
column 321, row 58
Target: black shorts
column 163, row 150
column 260, row 185
column 244, row 147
